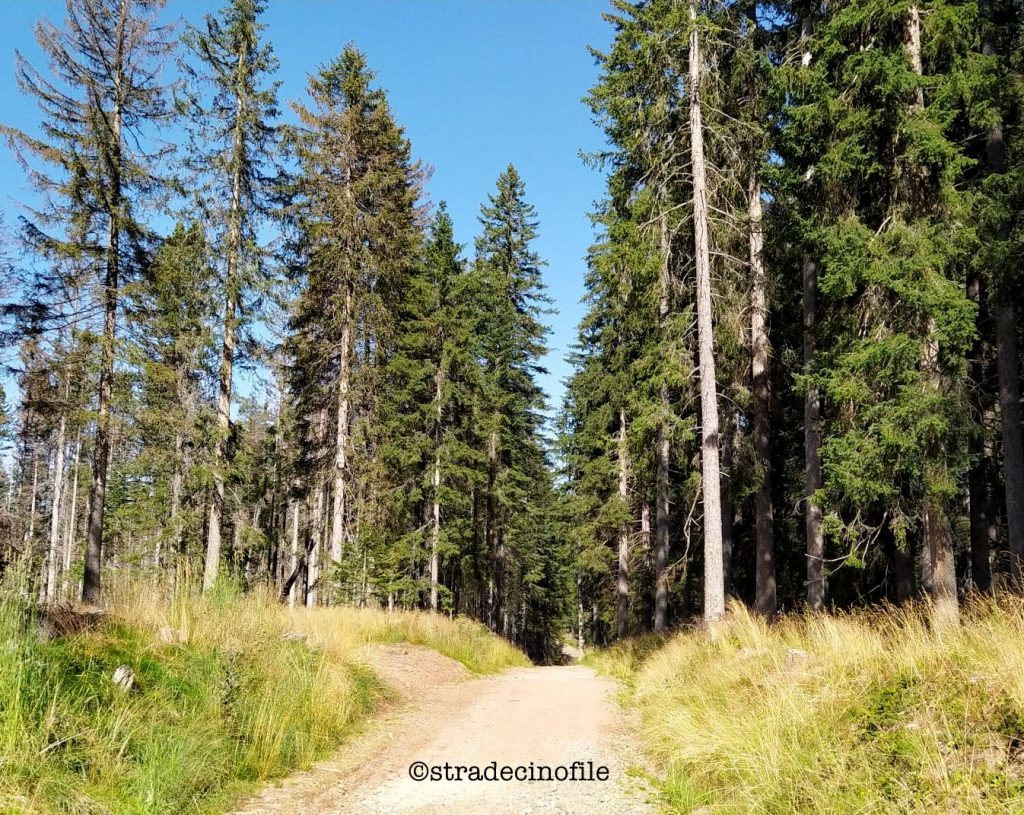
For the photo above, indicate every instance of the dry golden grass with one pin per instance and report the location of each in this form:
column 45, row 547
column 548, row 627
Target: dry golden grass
column 869, row 712
column 226, row 696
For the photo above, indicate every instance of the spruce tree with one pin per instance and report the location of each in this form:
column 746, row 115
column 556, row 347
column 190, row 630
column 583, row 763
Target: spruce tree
column 99, row 106
column 511, row 292
column 882, row 172
column 432, row 385
column 357, row 235
column 234, row 151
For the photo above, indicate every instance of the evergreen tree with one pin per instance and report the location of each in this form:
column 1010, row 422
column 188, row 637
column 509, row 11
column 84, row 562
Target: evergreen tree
column 432, row 384
column 234, row 144
column 357, row 237
column 104, row 96
column 883, row 173
column 171, row 313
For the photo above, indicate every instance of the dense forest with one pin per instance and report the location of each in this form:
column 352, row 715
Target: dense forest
column 797, row 382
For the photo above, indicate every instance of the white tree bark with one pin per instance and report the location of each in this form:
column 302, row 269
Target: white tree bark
column 714, row 587
column 622, row 578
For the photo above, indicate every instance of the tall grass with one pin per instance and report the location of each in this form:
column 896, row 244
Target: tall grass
column 869, row 712
column 223, row 699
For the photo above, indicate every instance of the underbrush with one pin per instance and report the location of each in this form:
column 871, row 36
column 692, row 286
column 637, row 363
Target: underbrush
column 228, row 691
column 869, row 712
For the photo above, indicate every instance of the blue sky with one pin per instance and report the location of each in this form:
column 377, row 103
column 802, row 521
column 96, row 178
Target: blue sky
column 476, row 83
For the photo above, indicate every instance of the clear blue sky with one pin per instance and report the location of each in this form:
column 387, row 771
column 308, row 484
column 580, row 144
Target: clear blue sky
column 476, row 83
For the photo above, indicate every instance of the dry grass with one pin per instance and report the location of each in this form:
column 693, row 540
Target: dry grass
column 224, row 697
column 870, row 712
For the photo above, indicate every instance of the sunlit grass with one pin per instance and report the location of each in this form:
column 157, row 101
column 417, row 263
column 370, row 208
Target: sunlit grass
column 870, row 712
column 226, row 696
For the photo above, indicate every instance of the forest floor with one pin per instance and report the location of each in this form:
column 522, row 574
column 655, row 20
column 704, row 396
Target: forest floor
column 549, row 716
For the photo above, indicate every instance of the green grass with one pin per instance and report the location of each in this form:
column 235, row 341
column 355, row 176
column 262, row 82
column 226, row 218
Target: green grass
column 211, row 717
column 878, row 714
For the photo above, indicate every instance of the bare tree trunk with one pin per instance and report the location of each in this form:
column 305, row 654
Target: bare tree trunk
column 177, row 482
column 714, row 589
column 812, row 446
column 53, row 558
column 622, row 582
column 435, row 531
column 92, row 576
column 294, row 551
column 765, row 600
column 662, row 452
column 316, row 523
column 579, row 615
column 72, row 520
column 227, row 353
column 338, row 530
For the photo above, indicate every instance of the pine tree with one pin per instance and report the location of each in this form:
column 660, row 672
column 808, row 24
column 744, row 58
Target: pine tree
column 235, row 144
column 171, row 313
column 511, row 292
column 357, row 237
column 432, row 385
column 105, row 95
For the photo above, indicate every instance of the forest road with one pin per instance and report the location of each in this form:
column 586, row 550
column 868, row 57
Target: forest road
column 550, row 717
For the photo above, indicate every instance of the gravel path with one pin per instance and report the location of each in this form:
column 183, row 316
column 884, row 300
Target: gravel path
column 548, row 716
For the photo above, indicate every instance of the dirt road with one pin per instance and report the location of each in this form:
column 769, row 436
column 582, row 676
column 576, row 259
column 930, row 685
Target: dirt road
column 551, row 717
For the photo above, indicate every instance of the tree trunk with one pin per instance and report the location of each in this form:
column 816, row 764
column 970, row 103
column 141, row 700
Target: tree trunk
column 72, row 520
column 1013, row 443
column 812, row 446
column 91, row 579
column 661, row 507
column 729, row 441
column 714, row 590
column 294, row 551
column 490, row 536
column 177, row 482
column 316, row 523
column 1009, row 382
column 54, row 559
column 937, row 533
column 338, row 530
column 30, row 533
column 622, row 582
column 765, row 601
column 227, row 354
column 903, row 569
column 435, row 532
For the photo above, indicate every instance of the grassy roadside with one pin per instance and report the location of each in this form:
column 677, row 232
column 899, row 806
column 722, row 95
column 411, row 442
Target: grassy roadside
column 222, row 700
column 871, row 712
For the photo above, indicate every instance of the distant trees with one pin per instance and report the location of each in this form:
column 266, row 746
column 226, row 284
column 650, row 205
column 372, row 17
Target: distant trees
column 801, row 345
column 389, row 449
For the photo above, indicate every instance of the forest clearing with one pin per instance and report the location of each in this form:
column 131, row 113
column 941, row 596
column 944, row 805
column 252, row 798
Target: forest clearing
column 627, row 389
